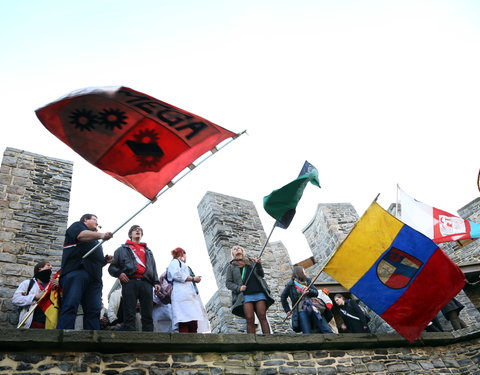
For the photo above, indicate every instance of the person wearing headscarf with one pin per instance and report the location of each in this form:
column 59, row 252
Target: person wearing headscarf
column 307, row 314
column 188, row 312
column 250, row 295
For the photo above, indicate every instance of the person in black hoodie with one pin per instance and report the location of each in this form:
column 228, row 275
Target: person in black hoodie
column 353, row 316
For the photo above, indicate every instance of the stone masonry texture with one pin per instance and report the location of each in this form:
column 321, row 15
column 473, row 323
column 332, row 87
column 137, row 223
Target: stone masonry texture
column 34, row 202
column 137, row 353
column 228, row 221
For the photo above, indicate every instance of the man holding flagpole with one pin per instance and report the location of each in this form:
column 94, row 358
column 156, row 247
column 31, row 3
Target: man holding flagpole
column 81, row 278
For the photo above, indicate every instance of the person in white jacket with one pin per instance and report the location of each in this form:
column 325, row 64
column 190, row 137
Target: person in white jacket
column 162, row 315
column 188, row 312
column 30, row 291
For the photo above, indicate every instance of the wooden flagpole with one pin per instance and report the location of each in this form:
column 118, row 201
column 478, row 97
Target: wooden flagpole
column 191, row 167
column 32, row 309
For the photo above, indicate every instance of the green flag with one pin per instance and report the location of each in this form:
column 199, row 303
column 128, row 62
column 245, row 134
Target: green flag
column 281, row 204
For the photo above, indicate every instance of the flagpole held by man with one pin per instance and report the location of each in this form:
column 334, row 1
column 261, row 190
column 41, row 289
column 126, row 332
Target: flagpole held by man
column 139, row 140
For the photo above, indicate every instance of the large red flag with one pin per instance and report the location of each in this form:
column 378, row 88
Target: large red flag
column 141, row 141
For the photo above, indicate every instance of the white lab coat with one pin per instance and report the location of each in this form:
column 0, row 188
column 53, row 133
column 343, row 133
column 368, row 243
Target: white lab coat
column 25, row 302
column 186, row 303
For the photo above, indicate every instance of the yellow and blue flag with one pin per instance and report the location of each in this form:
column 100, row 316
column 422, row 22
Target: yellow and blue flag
column 396, row 271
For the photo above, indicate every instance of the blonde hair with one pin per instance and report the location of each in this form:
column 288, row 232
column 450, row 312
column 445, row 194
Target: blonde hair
column 235, row 248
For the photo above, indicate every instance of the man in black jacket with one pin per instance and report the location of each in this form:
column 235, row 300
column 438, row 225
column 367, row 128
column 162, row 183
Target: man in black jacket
column 134, row 265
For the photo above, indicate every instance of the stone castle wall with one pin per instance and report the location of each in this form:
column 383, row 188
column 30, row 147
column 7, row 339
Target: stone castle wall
column 142, row 353
column 329, row 227
column 227, row 221
column 34, row 196
column 34, row 202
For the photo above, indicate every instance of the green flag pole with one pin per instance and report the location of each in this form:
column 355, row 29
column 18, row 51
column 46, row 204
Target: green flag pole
column 261, row 253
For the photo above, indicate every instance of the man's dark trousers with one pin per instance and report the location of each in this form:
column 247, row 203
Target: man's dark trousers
column 141, row 289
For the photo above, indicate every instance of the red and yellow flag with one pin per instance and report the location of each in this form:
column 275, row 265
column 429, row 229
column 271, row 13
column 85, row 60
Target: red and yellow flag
column 50, row 304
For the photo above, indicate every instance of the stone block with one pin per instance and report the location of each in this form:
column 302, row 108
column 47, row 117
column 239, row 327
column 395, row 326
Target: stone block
column 8, row 258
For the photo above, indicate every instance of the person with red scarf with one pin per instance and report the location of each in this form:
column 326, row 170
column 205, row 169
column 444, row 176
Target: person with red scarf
column 134, row 265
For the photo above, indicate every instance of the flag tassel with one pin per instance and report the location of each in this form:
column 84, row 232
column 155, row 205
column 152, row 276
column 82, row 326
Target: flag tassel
column 170, row 184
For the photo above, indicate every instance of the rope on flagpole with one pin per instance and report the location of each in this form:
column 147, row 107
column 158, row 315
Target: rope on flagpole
column 261, row 253
column 191, row 167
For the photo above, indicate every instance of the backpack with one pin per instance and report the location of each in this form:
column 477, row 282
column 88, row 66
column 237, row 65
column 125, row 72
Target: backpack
column 166, row 287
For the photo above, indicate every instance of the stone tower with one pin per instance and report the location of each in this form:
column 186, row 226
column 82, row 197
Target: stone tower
column 229, row 221
column 329, row 227
column 34, row 203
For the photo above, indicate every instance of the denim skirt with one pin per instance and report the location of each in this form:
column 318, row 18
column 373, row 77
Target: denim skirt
column 254, row 297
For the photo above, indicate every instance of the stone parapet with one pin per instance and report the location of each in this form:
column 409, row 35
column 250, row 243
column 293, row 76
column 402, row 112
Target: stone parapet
column 142, row 353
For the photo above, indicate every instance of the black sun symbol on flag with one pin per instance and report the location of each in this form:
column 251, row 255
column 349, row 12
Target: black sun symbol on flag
column 83, row 119
column 112, row 118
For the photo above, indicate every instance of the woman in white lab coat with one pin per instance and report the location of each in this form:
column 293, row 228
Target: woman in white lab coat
column 188, row 311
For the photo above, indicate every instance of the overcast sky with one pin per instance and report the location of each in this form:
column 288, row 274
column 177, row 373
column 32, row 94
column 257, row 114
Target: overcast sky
column 373, row 93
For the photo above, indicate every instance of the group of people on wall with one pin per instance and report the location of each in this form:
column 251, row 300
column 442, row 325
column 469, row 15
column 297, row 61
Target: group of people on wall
column 141, row 300
column 139, row 292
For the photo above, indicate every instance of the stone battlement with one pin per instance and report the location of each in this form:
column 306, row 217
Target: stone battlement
column 141, row 353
